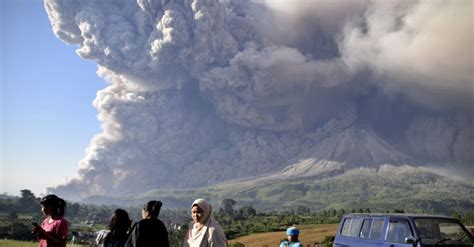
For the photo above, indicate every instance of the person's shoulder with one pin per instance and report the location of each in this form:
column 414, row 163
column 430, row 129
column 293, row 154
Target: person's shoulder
column 161, row 225
column 297, row 244
column 103, row 232
column 284, row 243
column 158, row 222
column 152, row 223
column 61, row 221
column 213, row 228
column 101, row 236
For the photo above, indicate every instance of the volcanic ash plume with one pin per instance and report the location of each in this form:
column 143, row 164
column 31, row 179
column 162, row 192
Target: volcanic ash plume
column 206, row 91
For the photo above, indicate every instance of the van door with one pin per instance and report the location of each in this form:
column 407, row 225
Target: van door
column 371, row 232
column 360, row 232
column 397, row 231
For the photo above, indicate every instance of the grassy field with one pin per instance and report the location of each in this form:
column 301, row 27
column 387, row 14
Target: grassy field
column 14, row 243
column 308, row 235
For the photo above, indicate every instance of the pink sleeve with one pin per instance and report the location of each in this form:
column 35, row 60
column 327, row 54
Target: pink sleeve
column 62, row 229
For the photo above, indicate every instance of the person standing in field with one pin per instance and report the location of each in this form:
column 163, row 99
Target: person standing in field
column 204, row 230
column 149, row 231
column 117, row 234
column 292, row 234
column 53, row 230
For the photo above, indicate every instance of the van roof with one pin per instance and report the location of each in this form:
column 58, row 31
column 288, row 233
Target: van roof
column 398, row 215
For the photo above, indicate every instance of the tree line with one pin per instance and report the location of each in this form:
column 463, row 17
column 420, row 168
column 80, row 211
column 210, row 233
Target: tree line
column 17, row 213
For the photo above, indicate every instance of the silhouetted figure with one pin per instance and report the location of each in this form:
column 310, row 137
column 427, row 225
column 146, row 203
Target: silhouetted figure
column 149, row 231
column 53, row 229
column 117, row 234
column 292, row 234
column 204, row 230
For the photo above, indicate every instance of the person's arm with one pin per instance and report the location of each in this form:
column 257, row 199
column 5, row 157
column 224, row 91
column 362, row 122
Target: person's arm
column 101, row 237
column 165, row 235
column 59, row 240
column 132, row 238
column 284, row 244
column 216, row 237
column 51, row 238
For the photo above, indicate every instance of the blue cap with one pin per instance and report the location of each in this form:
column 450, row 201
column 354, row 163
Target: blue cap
column 292, row 231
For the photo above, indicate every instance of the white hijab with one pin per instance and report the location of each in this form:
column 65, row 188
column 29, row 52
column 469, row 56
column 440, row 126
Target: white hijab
column 205, row 233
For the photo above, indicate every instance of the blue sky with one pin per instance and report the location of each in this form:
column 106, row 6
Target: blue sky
column 47, row 117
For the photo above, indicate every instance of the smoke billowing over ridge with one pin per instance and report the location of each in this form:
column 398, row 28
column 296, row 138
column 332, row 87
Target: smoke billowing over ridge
column 203, row 91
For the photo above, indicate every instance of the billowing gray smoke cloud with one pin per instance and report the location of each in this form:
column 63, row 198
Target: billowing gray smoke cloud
column 203, row 91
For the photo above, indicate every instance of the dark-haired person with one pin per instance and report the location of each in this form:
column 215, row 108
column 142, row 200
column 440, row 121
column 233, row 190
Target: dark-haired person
column 117, row 234
column 149, row 231
column 53, row 229
column 205, row 230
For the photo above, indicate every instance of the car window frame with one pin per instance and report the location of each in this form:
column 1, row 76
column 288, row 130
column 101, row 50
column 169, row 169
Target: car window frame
column 384, row 225
column 451, row 220
column 359, row 229
column 387, row 228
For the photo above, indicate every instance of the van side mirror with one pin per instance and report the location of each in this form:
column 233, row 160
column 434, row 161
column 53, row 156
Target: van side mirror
column 410, row 240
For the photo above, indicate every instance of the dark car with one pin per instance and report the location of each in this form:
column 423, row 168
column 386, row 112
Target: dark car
column 401, row 230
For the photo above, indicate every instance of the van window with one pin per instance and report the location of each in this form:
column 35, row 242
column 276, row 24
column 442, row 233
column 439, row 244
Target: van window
column 345, row 227
column 433, row 230
column 351, row 227
column 377, row 229
column 355, row 227
column 365, row 232
column 398, row 231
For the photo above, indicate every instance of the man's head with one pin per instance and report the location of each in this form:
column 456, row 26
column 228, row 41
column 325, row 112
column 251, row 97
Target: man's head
column 292, row 234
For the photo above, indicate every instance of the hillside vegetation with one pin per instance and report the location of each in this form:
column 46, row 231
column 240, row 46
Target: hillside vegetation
column 415, row 190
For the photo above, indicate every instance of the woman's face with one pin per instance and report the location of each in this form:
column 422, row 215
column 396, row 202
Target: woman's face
column 197, row 213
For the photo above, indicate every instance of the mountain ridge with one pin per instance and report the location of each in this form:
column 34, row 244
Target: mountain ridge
column 413, row 189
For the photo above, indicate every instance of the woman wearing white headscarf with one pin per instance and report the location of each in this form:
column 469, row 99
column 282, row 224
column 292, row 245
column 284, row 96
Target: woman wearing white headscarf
column 204, row 231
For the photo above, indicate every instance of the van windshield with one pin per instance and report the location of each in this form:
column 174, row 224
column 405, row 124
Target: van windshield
column 439, row 232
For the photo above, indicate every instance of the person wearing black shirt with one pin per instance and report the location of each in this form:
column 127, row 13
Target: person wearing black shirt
column 149, row 231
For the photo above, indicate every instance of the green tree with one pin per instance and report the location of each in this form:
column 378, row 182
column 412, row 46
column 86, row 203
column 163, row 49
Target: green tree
column 302, row 210
column 21, row 231
column 328, row 241
column 27, row 202
column 73, row 210
column 12, row 215
column 457, row 215
column 228, row 206
column 247, row 211
column 341, row 212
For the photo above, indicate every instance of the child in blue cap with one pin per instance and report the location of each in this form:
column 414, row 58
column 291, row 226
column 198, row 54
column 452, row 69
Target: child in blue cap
column 292, row 241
